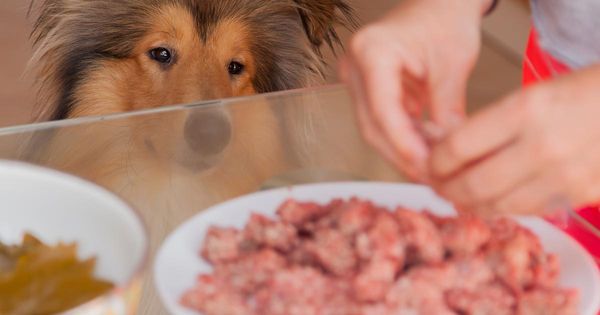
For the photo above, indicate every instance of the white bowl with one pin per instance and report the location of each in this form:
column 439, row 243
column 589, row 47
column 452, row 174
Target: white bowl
column 57, row 207
column 178, row 262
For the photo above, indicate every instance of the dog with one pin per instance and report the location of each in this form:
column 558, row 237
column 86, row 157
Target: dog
column 105, row 57
column 111, row 56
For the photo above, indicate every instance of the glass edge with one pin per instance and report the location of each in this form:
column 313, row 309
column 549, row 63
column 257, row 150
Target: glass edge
column 47, row 125
column 582, row 221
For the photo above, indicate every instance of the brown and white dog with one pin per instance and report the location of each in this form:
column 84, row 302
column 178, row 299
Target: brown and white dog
column 98, row 57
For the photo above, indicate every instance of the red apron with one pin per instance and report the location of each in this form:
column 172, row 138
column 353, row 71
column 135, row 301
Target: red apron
column 538, row 66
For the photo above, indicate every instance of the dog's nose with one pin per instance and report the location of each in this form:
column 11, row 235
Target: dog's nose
column 208, row 132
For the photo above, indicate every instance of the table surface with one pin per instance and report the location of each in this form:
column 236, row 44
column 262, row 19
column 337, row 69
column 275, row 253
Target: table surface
column 172, row 162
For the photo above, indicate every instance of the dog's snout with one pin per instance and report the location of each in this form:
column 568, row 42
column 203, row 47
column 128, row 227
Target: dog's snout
column 208, row 132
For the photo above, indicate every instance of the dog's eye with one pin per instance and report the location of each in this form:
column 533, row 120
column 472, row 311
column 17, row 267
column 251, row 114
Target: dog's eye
column 162, row 55
column 235, row 68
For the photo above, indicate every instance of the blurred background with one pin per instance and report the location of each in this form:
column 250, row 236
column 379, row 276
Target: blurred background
column 504, row 34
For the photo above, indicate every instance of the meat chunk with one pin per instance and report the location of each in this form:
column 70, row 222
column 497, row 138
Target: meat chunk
column 422, row 236
column 471, row 272
column 211, row 296
column 491, row 299
column 463, row 235
column 356, row 216
column 251, row 271
column 221, row 245
column 443, row 275
column 382, row 240
column 375, row 279
column 303, row 291
column 548, row 301
column 266, row 232
column 298, row 213
column 334, row 251
column 546, row 270
column 513, row 253
column 416, row 296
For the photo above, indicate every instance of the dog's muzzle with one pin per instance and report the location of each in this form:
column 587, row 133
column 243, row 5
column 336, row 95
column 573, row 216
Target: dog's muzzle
column 207, row 134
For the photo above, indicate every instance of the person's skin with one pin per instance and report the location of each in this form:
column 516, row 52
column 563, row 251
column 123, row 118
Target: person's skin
column 517, row 156
column 414, row 61
column 528, row 150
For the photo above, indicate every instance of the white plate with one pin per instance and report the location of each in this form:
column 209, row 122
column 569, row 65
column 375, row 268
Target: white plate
column 178, row 262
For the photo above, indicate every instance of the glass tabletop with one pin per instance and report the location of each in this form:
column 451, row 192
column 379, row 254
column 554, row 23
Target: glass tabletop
column 172, row 162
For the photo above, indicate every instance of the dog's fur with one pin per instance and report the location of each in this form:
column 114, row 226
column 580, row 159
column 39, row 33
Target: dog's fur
column 92, row 56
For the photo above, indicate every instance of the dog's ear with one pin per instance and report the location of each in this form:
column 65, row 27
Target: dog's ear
column 320, row 17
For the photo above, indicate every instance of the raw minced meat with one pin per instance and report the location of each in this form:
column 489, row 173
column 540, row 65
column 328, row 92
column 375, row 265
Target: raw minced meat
column 351, row 257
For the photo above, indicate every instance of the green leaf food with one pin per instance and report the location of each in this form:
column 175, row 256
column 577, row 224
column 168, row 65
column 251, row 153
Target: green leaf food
column 40, row 279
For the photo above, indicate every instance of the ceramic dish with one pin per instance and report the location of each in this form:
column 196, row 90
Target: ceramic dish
column 57, row 207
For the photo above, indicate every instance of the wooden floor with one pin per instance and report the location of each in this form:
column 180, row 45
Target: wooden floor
column 498, row 70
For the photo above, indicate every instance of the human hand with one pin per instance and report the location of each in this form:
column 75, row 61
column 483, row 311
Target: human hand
column 413, row 62
column 527, row 151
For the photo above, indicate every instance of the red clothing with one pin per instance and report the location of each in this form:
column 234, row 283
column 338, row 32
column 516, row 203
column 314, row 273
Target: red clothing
column 539, row 65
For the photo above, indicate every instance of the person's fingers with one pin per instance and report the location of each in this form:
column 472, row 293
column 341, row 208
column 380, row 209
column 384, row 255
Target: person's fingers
column 448, row 100
column 416, row 96
column 382, row 82
column 578, row 172
column 375, row 138
column 371, row 130
column 534, row 197
column 493, row 176
column 478, row 137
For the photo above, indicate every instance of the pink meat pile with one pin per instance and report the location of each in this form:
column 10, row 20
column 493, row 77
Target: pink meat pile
column 352, row 257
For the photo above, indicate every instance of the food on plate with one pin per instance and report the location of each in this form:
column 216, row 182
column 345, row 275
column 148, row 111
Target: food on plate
column 352, row 257
column 39, row 279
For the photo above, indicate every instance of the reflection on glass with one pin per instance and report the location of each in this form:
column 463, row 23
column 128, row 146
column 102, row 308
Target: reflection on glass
column 172, row 162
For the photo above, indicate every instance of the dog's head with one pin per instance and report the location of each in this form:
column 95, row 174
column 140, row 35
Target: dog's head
column 107, row 56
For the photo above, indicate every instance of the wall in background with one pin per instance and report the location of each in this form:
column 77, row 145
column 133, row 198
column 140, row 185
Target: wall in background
column 16, row 95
